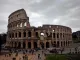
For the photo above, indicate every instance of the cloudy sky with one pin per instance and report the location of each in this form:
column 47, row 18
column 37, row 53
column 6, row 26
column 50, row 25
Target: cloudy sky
column 59, row 12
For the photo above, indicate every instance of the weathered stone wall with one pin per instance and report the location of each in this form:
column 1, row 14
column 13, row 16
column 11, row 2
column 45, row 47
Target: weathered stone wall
column 21, row 35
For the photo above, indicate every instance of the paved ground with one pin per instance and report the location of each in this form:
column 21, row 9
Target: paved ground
column 35, row 56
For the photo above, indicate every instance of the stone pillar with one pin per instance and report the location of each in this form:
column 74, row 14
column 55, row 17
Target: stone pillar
column 32, row 33
column 44, row 44
column 21, row 44
column 32, row 46
column 38, row 43
column 50, row 45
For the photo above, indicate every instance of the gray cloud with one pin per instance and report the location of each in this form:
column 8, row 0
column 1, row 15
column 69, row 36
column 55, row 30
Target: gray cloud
column 60, row 12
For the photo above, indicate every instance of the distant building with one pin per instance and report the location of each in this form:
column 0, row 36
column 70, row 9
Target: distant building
column 21, row 35
column 76, row 36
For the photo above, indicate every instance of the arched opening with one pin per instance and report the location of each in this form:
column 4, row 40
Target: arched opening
column 53, row 35
column 57, row 43
column 24, row 34
column 54, row 45
column 35, row 44
column 68, row 43
column 15, row 34
column 25, row 24
column 21, row 25
column 19, row 34
column 42, row 45
column 15, row 44
column 37, row 34
column 46, row 34
column 61, row 44
column 29, row 34
column 24, row 45
column 47, row 44
column 57, row 35
column 19, row 45
column 12, row 44
column 12, row 35
column 64, row 43
column 29, row 44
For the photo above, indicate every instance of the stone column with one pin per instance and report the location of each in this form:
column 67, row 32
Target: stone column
column 38, row 43
column 32, row 33
column 32, row 46
column 44, row 44
column 21, row 44
column 50, row 45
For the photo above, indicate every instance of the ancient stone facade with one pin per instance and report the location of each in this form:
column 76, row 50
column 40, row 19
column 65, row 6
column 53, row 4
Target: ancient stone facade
column 21, row 35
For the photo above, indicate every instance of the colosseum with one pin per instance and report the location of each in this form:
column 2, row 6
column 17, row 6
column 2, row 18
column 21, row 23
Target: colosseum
column 23, row 36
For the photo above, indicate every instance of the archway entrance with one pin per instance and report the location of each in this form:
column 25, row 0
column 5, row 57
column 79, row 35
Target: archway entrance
column 54, row 45
column 29, row 44
column 42, row 45
column 19, row 45
column 15, row 45
column 47, row 44
column 24, row 45
column 57, row 43
column 35, row 44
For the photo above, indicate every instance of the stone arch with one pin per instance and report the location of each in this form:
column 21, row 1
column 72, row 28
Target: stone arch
column 19, row 34
column 20, row 24
column 29, row 34
column 54, row 45
column 24, row 23
column 24, row 45
column 47, row 44
column 42, row 45
column 29, row 44
column 19, row 44
column 24, row 34
column 12, row 44
column 16, row 35
column 15, row 44
column 61, row 44
column 12, row 35
column 35, row 44
column 57, row 43
column 64, row 43
column 37, row 34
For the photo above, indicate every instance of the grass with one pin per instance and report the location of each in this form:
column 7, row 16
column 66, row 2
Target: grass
column 56, row 57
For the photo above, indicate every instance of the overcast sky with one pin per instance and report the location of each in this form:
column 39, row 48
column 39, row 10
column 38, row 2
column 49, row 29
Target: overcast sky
column 59, row 12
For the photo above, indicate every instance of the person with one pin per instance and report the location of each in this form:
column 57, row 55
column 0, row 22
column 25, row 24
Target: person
column 38, row 56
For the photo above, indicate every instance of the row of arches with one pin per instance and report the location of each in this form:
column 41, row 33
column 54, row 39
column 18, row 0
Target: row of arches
column 37, row 34
column 20, row 24
column 29, row 45
column 22, row 34
column 41, row 44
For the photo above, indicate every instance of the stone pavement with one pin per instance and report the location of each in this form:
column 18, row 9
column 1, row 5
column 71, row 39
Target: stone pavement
column 35, row 56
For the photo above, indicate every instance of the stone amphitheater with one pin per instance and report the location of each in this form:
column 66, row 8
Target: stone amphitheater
column 23, row 36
